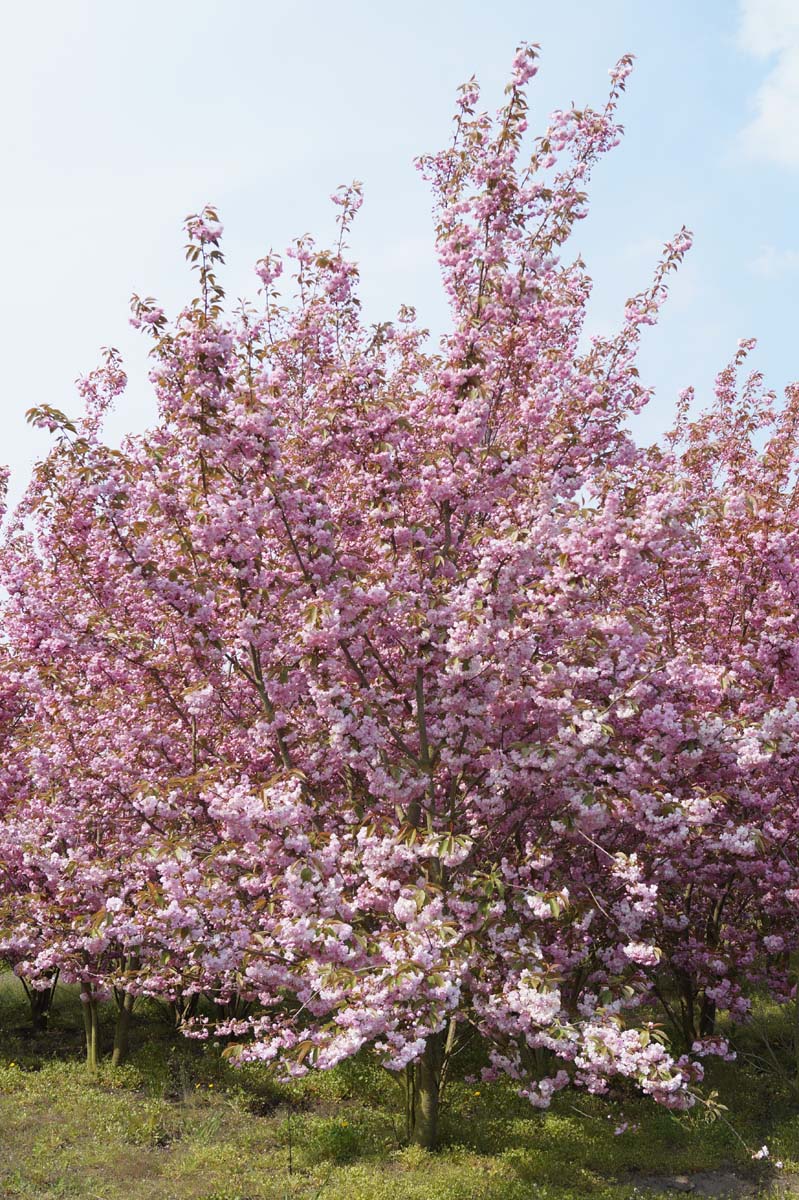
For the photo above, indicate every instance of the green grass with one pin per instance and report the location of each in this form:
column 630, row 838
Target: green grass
column 179, row 1123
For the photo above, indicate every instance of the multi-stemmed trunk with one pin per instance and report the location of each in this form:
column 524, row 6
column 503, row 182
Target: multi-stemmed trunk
column 182, row 1009
column 697, row 1010
column 41, row 1001
column 91, row 1025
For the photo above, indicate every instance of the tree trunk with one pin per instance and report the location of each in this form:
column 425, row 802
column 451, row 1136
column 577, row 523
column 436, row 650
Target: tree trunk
column 183, row 1008
column 707, row 1018
column 794, row 970
column 41, row 1001
column 91, row 1027
column 235, row 1008
column 687, row 996
column 125, row 1002
column 40, row 1010
column 424, row 1086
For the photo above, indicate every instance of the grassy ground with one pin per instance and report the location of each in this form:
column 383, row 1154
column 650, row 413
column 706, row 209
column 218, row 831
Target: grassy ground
column 177, row 1123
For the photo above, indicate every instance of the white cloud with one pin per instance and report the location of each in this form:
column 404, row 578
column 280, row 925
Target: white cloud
column 772, row 263
column 768, row 26
column 769, row 29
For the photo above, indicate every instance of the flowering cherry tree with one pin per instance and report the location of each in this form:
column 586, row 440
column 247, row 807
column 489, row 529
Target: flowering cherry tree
column 716, row 798
column 382, row 691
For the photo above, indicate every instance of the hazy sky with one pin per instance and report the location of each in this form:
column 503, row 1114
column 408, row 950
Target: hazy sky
column 118, row 119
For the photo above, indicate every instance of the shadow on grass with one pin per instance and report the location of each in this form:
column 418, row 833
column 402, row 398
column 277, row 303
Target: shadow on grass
column 179, row 1121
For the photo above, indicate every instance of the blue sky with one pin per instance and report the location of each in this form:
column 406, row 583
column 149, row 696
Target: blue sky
column 120, row 119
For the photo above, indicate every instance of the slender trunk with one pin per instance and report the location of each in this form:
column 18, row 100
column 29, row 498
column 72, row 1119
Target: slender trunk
column 125, row 1002
column 183, row 1008
column 425, row 1090
column 91, row 1027
column 41, row 1001
column 794, row 969
column 235, row 1008
column 427, row 1072
column 687, row 997
column 707, row 1017
column 40, row 1010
